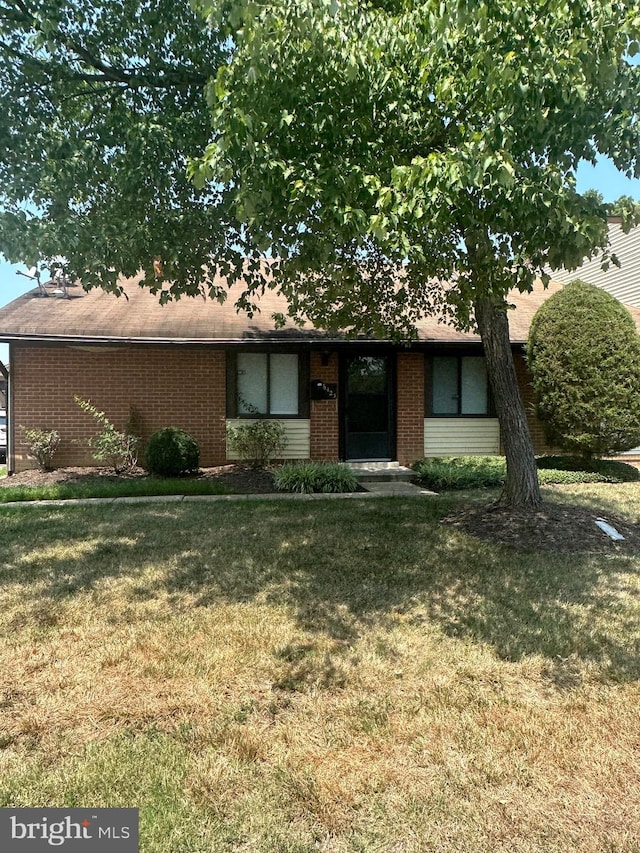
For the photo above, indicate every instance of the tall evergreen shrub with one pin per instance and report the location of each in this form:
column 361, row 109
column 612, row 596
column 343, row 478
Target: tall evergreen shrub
column 584, row 356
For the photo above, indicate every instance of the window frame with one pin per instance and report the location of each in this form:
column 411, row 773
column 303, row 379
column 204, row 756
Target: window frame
column 232, row 384
column 428, row 387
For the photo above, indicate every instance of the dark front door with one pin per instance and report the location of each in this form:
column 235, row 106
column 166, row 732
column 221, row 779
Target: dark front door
column 367, row 403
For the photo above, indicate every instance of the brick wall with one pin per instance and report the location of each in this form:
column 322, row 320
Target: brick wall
column 325, row 427
column 169, row 386
column 410, row 407
column 528, row 398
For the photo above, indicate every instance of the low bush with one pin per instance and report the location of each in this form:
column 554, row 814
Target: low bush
column 481, row 472
column 110, row 446
column 309, row 477
column 172, row 452
column 461, row 472
column 42, row 444
column 257, row 442
column 602, row 470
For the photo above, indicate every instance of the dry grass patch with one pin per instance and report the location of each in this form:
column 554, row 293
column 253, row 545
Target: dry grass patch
column 338, row 678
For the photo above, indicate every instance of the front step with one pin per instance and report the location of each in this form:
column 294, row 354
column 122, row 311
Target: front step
column 381, row 472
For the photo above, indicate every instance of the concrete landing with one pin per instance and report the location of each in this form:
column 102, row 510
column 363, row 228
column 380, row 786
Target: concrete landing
column 399, row 488
column 386, row 478
column 381, row 472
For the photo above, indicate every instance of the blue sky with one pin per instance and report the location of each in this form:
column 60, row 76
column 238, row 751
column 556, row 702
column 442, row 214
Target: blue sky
column 604, row 177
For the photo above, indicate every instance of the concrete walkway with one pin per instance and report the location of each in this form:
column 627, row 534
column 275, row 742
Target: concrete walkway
column 374, row 490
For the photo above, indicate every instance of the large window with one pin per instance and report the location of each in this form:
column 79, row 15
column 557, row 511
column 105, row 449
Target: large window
column 265, row 384
column 458, row 387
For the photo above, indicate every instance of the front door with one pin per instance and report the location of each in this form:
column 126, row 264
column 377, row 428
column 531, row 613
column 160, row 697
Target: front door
column 367, row 407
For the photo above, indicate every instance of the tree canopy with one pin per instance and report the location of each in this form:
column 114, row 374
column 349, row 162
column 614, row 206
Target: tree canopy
column 441, row 138
column 101, row 104
column 584, row 357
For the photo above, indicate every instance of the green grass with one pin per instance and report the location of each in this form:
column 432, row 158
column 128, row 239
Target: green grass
column 344, row 676
column 104, row 488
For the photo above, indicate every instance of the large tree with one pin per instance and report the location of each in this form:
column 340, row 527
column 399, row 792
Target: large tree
column 379, row 149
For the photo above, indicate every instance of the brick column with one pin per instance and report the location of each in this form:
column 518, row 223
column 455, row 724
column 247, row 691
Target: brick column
column 410, row 407
column 324, row 423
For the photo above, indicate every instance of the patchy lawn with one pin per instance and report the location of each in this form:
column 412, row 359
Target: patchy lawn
column 339, row 676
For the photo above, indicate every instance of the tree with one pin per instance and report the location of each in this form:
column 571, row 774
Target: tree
column 380, row 149
column 101, row 104
column 584, row 357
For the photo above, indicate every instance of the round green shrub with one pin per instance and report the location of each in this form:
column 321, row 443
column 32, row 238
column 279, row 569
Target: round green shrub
column 171, row 452
column 584, row 356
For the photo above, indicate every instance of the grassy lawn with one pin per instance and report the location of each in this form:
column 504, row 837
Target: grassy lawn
column 342, row 676
column 107, row 487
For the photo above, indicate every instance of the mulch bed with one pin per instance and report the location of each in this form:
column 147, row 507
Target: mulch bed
column 554, row 527
column 242, row 479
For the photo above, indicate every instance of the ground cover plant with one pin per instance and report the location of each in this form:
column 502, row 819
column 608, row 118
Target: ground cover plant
column 477, row 472
column 338, row 676
column 104, row 487
column 309, row 477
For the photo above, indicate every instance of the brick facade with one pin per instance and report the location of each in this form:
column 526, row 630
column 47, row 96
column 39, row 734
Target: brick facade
column 168, row 386
column 324, row 417
column 540, row 445
column 410, row 407
column 186, row 387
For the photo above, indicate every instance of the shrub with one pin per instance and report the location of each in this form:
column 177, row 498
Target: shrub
column 171, row 452
column 257, row 442
column 110, row 446
column 584, row 356
column 475, row 472
column 461, row 472
column 308, row 477
column 552, row 469
column 43, row 444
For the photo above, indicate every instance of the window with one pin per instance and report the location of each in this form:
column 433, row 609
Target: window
column 459, row 387
column 265, row 384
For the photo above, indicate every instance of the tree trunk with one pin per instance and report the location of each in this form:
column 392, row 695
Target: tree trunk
column 521, row 490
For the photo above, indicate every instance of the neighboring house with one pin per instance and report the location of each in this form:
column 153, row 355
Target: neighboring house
column 623, row 282
column 198, row 365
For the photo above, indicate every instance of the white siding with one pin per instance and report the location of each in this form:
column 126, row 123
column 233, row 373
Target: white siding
column 622, row 282
column 461, row 437
column 298, row 431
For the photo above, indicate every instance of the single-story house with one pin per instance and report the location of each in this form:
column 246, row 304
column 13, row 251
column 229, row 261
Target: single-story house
column 199, row 365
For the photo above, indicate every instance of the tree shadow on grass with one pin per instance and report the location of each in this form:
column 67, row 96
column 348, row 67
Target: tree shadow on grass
column 340, row 567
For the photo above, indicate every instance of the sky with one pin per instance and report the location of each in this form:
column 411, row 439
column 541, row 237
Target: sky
column 604, row 177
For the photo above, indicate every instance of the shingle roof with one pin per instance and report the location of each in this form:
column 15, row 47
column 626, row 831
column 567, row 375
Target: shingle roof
column 98, row 316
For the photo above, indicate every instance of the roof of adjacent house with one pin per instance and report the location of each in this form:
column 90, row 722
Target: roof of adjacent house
column 101, row 317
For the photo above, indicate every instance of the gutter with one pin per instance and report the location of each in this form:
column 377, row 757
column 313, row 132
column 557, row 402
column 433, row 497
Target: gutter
column 121, row 341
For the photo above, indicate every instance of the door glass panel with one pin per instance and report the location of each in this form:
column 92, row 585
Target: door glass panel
column 367, row 408
column 445, row 385
column 474, row 386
